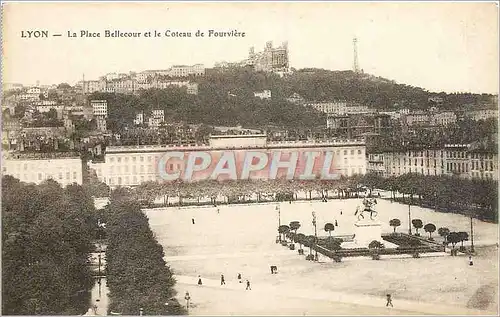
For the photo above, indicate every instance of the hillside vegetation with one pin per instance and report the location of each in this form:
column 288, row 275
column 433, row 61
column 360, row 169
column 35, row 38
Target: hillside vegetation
column 226, row 98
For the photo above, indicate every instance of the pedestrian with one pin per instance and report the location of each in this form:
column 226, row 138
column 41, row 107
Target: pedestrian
column 199, row 280
column 248, row 286
column 389, row 300
column 470, row 260
column 218, row 211
column 239, row 277
column 336, row 224
column 341, row 212
column 94, row 308
column 222, row 281
column 192, row 220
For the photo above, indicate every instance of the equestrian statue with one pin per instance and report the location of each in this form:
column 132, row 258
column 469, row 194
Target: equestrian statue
column 368, row 204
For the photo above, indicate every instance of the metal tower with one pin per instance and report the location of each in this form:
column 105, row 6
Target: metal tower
column 355, row 67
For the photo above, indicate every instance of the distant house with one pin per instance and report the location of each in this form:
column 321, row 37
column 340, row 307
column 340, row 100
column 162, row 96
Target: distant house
column 265, row 94
column 296, row 98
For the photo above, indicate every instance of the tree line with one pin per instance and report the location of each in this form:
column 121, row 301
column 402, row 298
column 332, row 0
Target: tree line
column 46, row 244
column 137, row 275
column 473, row 197
column 476, row 197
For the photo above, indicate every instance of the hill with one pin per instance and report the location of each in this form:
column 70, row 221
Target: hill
column 226, row 97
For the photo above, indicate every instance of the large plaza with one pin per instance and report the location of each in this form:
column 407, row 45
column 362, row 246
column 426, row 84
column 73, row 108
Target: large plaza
column 241, row 239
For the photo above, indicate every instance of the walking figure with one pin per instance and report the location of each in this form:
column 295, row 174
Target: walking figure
column 218, row 211
column 336, row 224
column 470, row 260
column 222, row 281
column 389, row 300
column 239, row 277
column 341, row 212
column 199, row 280
column 94, row 308
column 248, row 285
column 192, row 220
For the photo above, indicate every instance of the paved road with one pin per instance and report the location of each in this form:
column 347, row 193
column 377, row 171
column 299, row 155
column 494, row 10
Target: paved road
column 100, row 297
column 337, row 297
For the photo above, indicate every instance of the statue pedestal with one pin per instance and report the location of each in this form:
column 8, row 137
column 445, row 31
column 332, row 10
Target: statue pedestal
column 366, row 231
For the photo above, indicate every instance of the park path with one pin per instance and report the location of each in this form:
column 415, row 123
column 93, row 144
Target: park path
column 339, row 297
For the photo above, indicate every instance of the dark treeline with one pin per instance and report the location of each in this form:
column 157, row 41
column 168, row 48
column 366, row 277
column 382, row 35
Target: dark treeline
column 137, row 275
column 46, row 242
column 477, row 197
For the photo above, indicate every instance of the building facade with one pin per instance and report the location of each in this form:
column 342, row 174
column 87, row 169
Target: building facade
column 336, row 107
column 453, row 160
column 425, row 162
column 133, row 165
column 271, row 59
column 36, row 169
column 356, row 125
column 481, row 114
column 265, row 94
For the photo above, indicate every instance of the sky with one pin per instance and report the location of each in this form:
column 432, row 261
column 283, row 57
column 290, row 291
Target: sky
column 451, row 47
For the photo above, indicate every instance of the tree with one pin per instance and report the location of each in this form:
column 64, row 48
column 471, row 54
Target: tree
column 300, row 239
column 430, row 228
column 463, row 236
column 137, row 275
column 311, row 241
column 46, row 234
column 63, row 86
column 374, row 248
column 418, row 224
column 333, row 244
column 395, row 223
column 453, row 238
column 283, row 230
column 414, row 244
column 444, row 232
column 329, row 227
column 294, row 225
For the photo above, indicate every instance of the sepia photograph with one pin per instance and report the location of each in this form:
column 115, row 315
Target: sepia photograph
column 281, row 158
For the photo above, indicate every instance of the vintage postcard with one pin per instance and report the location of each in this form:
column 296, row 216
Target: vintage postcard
column 250, row 158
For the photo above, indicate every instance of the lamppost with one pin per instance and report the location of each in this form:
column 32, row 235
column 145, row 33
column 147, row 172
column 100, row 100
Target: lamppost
column 471, row 236
column 278, row 208
column 409, row 218
column 315, row 234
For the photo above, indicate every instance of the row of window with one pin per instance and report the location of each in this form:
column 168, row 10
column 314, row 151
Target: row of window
column 457, row 167
column 427, row 153
column 482, row 175
column 416, row 170
column 134, row 159
column 416, row 161
column 43, row 176
column 482, row 156
column 127, row 180
column 150, row 168
column 135, row 180
column 460, row 154
column 33, row 166
column 484, row 165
